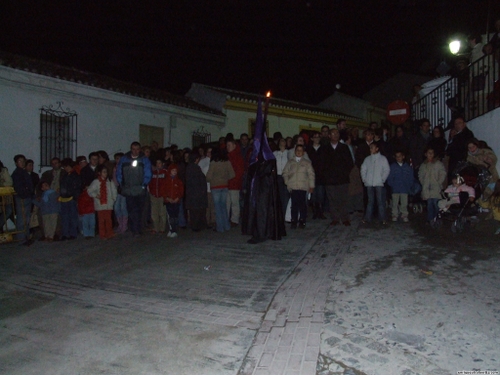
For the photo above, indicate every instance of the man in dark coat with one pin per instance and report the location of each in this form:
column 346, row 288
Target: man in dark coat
column 23, row 186
column 337, row 167
column 314, row 151
column 457, row 149
column 196, row 199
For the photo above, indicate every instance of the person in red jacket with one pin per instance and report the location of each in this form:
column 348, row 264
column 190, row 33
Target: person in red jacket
column 235, row 184
column 158, row 196
column 174, row 194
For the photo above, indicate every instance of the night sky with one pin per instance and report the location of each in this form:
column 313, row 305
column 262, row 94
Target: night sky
column 298, row 49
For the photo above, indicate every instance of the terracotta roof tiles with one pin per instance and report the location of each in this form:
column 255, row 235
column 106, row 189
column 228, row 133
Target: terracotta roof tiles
column 100, row 81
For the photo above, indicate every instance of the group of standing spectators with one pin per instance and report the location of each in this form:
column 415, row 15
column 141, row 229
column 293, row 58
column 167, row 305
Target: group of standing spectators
column 161, row 190
column 67, row 199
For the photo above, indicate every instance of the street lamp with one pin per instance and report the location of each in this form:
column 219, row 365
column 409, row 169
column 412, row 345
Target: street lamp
column 455, row 46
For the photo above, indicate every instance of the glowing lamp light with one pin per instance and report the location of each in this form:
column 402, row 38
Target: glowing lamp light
column 454, row 47
column 268, row 95
column 134, row 163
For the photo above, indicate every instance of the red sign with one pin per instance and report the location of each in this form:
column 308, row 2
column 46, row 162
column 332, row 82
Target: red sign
column 398, row 112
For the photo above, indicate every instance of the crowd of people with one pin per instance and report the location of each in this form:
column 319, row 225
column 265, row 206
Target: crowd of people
column 335, row 171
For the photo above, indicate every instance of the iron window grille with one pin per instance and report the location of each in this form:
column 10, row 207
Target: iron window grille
column 58, row 133
column 200, row 137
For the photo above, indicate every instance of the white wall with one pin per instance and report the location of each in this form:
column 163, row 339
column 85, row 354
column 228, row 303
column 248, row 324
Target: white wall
column 106, row 120
column 487, row 128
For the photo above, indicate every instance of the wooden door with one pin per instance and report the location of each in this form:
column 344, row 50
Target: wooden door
column 148, row 134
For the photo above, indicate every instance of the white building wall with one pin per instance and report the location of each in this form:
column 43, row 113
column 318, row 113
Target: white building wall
column 106, row 120
column 486, row 128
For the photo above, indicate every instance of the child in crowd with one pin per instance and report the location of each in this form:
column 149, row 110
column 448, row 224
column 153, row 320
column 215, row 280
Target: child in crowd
column 432, row 175
column 174, row 194
column 457, row 186
column 493, row 204
column 49, row 207
column 400, row 180
column 299, row 177
column 374, row 171
column 87, row 214
column 70, row 187
column 158, row 193
column 103, row 190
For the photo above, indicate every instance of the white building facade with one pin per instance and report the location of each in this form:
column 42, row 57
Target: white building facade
column 107, row 115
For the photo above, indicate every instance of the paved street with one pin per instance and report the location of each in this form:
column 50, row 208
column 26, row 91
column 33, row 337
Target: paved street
column 325, row 300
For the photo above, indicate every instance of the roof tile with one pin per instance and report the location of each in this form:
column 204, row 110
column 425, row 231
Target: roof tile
column 95, row 80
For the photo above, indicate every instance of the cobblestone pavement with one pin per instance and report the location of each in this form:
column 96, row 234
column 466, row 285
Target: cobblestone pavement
column 325, row 300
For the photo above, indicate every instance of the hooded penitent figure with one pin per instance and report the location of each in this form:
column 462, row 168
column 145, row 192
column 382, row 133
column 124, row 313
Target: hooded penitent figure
column 262, row 214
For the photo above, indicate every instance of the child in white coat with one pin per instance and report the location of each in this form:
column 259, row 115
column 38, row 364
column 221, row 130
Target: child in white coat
column 374, row 171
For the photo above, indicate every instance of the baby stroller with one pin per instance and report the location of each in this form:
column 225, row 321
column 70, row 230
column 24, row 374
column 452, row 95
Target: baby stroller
column 474, row 175
column 463, row 215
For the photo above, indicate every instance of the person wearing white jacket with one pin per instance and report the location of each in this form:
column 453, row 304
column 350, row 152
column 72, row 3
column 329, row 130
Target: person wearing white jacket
column 374, row 171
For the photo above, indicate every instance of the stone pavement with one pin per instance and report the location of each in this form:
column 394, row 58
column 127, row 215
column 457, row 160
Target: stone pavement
column 383, row 300
column 403, row 303
column 288, row 341
column 152, row 305
column 325, row 300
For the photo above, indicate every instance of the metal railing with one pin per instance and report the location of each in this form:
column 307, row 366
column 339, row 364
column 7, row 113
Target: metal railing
column 472, row 92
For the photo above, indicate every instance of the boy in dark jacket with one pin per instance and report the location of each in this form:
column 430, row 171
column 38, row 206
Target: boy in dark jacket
column 400, row 180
